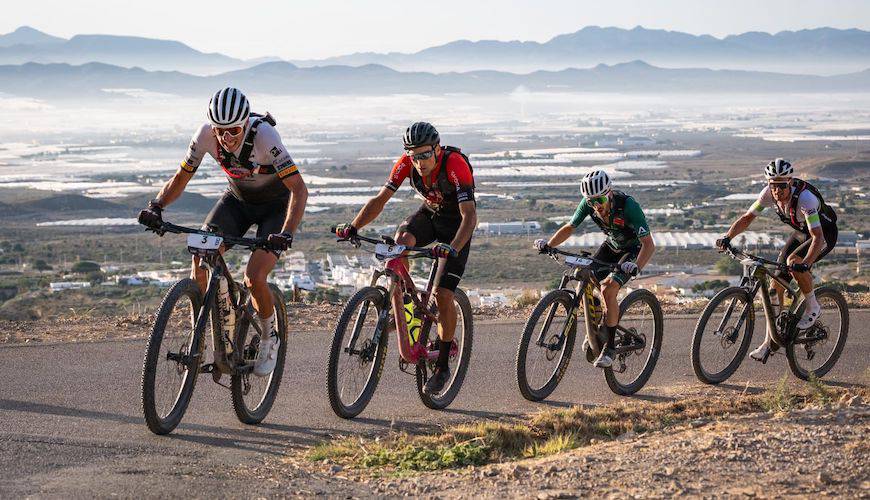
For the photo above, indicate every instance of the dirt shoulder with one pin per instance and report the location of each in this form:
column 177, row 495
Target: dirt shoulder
column 803, row 446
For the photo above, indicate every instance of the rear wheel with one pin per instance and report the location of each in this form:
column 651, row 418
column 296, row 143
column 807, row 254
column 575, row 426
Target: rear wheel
column 638, row 342
column 254, row 396
column 814, row 351
column 722, row 335
column 546, row 345
column 172, row 358
column 357, row 354
column 458, row 362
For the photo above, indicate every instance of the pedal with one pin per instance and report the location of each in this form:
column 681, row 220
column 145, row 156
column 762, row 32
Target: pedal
column 209, row 368
column 216, row 378
column 404, row 366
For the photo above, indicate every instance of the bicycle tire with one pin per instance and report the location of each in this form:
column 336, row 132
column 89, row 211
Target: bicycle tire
column 158, row 424
column 842, row 305
column 652, row 301
column 378, row 298
column 256, row 414
column 701, row 373
column 555, row 297
column 439, row 402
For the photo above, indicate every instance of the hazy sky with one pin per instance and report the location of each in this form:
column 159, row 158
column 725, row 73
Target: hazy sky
column 320, row 28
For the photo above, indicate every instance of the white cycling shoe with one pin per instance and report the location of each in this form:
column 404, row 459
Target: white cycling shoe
column 267, row 354
column 604, row 360
column 811, row 315
column 761, row 353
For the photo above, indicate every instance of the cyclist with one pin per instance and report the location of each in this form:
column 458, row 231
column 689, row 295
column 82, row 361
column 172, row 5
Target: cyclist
column 800, row 205
column 264, row 190
column 628, row 236
column 442, row 176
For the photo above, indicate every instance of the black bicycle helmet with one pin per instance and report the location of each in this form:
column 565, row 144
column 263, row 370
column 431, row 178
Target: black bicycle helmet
column 420, row 134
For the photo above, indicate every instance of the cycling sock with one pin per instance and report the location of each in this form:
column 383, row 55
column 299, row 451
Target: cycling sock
column 268, row 324
column 811, row 297
column 443, row 354
column 611, row 336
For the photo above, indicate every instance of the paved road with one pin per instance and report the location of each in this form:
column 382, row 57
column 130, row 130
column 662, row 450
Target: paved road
column 72, row 424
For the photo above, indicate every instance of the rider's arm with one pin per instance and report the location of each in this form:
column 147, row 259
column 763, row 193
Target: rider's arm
column 468, row 211
column 740, row 224
column 286, row 170
column 647, row 247
column 567, row 230
column 817, row 245
column 636, row 218
column 173, row 187
column 372, row 208
column 561, row 235
column 809, row 206
column 296, row 207
column 765, row 199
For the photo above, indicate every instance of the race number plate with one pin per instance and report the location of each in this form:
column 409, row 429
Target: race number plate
column 201, row 244
column 578, row 261
column 384, row 251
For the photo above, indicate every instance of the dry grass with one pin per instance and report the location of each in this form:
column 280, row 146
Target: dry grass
column 554, row 431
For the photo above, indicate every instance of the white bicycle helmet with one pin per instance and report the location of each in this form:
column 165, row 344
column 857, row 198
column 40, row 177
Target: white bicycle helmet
column 228, row 108
column 778, row 168
column 595, row 183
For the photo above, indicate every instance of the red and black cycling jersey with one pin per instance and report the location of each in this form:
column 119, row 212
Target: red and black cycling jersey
column 450, row 184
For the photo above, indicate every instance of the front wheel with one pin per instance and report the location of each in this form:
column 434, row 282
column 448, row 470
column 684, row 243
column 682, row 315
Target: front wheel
column 722, row 335
column 358, row 351
column 638, row 342
column 172, row 357
column 254, row 396
column 463, row 340
column 814, row 351
column 546, row 344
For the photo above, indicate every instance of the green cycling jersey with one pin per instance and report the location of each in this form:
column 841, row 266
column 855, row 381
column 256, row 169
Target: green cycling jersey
column 626, row 222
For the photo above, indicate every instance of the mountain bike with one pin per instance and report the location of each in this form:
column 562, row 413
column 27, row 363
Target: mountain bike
column 730, row 316
column 359, row 344
column 547, row 340
column 175, row 354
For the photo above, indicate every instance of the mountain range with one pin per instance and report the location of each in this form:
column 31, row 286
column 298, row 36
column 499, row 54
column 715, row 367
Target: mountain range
column 813, row 51
column 822, row 51
column 97, row 80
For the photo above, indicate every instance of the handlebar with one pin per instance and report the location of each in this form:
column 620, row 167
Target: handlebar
column 249, row 243
column 737, row 253
column 421, row 252
column 552, row 252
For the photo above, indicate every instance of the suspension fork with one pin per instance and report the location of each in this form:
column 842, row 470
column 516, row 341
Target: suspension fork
column 363, row 313
column 552, row 313
column 725, row 317
column 203, row 318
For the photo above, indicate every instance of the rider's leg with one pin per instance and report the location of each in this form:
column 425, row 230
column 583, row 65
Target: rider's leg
column 260, row 265
column 795, row 240
column 258, row 269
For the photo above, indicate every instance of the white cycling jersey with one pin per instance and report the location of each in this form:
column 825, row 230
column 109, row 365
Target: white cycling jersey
column 808, row 204
column 270, row 163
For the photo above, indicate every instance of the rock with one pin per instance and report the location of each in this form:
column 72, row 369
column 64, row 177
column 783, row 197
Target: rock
column 825, row 478
column 627, row 435
column 490, row 473
column 854, row 401
column 335, row 469
column 699, row 422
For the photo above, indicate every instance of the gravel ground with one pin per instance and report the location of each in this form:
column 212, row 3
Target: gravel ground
column 821, row 451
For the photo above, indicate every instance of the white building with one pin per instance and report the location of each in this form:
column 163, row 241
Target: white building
column 516, row 227
column 67, row 285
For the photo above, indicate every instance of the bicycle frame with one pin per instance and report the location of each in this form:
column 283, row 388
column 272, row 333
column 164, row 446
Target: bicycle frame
column 757, row 277
column 400, row 282
column 583, row 297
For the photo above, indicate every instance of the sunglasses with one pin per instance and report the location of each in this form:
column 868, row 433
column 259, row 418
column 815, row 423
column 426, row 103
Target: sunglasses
column 597, row 200
column 232, row 131
column 421, row 156
column 778, row 185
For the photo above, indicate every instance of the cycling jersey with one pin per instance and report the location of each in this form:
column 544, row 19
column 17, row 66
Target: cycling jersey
column 450, row 184
column 804, row 210
column 256, row 179
column 626, row 222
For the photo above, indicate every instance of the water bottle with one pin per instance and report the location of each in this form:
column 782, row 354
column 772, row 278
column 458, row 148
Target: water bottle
column 411, row 318
column 228, row 324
